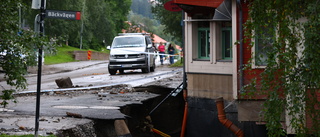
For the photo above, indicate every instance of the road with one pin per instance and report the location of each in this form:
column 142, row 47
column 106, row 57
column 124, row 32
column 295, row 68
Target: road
column 92, row 74
column 97, row 103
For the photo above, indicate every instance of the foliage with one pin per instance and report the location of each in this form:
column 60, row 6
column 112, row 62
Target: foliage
column 149, row 25
column 142, row 7
column 171, row 20
column 18, row 47
column 179, row 63
column 7, row 95
column 101, row 20
column 143, row 22
column 292, row 75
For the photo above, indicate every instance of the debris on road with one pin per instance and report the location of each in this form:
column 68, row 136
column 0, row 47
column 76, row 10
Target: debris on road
column 75, row 115
column 64, row 82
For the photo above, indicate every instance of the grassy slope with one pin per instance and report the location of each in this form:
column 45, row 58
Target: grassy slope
column 64, row 54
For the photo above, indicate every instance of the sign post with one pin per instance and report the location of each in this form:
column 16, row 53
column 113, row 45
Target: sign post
column 41, row 22
column 72, row 15
column 89, row 54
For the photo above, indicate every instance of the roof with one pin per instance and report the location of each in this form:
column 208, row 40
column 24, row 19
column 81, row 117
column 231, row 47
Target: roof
column 157, row 39
column 205, row 3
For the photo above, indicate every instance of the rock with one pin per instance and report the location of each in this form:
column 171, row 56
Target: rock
column 64, row 82
column 75, row 115
column 22, row 128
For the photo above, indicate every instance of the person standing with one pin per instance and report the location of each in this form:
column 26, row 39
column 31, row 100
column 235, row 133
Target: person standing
column 171, row 51
column 161, row 49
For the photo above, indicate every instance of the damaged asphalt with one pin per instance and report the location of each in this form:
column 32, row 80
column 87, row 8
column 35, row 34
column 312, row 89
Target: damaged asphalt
column 62, row 110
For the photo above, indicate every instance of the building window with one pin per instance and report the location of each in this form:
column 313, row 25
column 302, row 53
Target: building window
column 226, row 43
column 204, row 43
column 262, row 45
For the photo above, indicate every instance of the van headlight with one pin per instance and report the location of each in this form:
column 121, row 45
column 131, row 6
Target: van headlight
column 112, row 56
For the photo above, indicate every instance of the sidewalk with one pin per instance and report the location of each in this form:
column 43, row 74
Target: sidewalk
column 65, row 67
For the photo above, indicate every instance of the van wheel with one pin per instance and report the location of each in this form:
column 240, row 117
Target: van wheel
column 121, row 71
column 153, row 67
column 112, row 71
column 145, row 70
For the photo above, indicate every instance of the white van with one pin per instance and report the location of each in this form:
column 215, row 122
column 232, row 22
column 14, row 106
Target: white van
column 131, row 51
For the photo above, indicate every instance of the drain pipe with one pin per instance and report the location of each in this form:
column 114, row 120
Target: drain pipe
column 226, row 122
column 241, row 44
column 185, row 113
column 185, row 91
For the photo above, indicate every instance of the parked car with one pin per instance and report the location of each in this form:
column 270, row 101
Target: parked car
column 131, row 51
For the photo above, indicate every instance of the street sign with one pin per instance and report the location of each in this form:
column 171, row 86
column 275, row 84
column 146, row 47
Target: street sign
column 36, row 4
column 170, row 6
column 61, row 14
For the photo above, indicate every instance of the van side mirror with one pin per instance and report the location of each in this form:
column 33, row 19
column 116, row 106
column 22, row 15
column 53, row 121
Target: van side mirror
column 149, row 46
column 108, row 47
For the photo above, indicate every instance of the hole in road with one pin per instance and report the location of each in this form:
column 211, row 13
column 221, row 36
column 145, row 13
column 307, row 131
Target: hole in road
column 166, row 118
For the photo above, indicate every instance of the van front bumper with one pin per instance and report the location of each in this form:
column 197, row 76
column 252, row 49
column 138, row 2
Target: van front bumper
column 128, row 64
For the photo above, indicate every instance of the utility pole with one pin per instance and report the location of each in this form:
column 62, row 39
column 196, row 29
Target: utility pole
column 81, row 31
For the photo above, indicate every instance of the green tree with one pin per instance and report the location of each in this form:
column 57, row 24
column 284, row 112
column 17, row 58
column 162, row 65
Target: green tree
column 142, row 7
column 292, row 75
column 18, row 48
column 102, row 21
column 171, row 20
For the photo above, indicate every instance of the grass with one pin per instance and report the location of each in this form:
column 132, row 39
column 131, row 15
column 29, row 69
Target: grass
column 64, row 54
column 178, row 63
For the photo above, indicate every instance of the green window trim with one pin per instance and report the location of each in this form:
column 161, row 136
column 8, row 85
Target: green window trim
column 226, row 43
column 204, row 43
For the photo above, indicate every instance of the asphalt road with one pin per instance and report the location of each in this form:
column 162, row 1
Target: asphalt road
column 90, row 73
column 101, row 100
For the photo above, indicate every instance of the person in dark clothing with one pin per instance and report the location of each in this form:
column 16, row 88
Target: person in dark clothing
column 171, row 51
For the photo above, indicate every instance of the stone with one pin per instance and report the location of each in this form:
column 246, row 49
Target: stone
column 64, row 82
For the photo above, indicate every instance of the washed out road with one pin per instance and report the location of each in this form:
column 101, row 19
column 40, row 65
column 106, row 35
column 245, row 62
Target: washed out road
column 103, row 103
column 90, row 73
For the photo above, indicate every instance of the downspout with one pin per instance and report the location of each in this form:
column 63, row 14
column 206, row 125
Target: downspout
column 226, row 122
column 185, row 91
column 185, row 114
column 241, row 45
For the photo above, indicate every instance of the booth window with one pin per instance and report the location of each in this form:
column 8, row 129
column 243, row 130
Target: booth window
column 204, row 43
column 226, row 43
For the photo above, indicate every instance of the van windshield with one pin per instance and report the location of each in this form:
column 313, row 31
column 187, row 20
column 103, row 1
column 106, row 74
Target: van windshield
column 124, row 42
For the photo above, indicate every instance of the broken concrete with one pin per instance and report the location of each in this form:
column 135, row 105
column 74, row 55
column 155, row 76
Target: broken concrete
column 106, row 105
